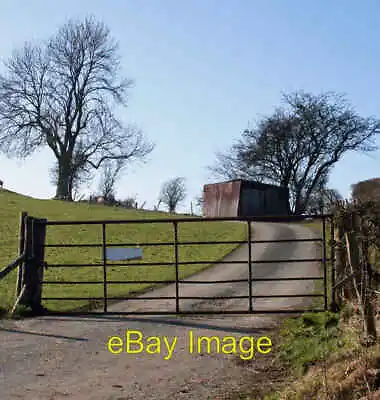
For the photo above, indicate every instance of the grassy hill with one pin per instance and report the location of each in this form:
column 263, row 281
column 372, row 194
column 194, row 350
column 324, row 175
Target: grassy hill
column 11, row 204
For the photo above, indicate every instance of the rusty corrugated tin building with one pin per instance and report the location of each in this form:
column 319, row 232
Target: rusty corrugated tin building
column 244, row 198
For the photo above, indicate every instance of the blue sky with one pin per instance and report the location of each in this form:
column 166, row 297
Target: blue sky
column 204, row 70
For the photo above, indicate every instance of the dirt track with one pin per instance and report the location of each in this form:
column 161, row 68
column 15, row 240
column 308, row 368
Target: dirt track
column 67, row 358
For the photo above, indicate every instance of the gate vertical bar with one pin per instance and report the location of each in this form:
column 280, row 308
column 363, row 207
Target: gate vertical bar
column 324, row 260
column 332, row 261
column 104, row 243
column 250, row 266
column 175, row 225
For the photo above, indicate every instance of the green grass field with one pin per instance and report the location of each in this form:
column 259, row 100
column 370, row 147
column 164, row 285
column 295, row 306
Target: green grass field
column 11, row 204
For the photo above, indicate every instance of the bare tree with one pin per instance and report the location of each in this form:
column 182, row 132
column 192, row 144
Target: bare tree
column 157, row 206
column 172, row 193
column 331, row 197
column 111, row 170
column 323, row 200
column 62, row 94
column 199, row 201
column 298, row 145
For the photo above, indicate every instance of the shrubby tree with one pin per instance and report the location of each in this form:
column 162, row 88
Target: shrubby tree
column 129, row 202
column 199, row 201
column 157, row 206
column 111, row 170
column 173, row 192
column 367, row 190
column 323, row 200
column 62, row 94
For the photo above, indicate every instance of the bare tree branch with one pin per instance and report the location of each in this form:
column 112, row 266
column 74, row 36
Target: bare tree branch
column 111, row 173
column 172, row 193
column 62, row 94
column 298, row 145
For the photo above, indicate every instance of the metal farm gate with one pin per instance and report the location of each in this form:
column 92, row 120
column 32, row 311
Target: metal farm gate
column 128, row 254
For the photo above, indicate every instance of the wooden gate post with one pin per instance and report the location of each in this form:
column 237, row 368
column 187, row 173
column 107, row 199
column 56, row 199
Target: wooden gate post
column 22, row 245
column 33, row 267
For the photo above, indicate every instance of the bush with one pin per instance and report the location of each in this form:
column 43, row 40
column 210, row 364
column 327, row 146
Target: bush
column 129, row 202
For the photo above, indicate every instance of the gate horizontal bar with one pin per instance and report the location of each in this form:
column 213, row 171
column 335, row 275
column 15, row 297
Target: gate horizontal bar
column 203, row 312
column 64, row 245
column 182, row 243
column 184, row 297
column 299, row 260
column 296, row 278
column 247, row 297
column 145, row 298
column 108, row 298
column 268, row 218
column 301, row 278
column 77, row 265
column 157, row 264
column 101, row 282
column 287, row 295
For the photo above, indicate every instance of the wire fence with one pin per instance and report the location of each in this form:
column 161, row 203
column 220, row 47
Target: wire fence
column 355, row 242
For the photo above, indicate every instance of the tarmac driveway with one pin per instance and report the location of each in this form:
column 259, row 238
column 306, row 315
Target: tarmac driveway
column 69, row 358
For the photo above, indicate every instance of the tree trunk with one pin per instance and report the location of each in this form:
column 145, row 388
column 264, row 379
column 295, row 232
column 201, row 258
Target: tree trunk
column 64, row 187
column 299, row 206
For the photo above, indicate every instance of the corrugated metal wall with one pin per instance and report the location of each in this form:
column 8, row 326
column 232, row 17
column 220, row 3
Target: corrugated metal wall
column 244, row 198
column 222, row 199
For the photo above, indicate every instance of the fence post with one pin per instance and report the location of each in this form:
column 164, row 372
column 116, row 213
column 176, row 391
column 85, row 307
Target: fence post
column 352, row 254
column 324, row 262
column 358, row 267
column 334, row 302
column 33, row 268
column 366, row 290
column 339, row 256
column 22, row 244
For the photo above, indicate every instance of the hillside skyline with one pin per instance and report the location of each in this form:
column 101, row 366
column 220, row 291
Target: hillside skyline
column 205, row 72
